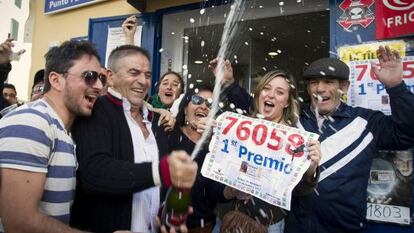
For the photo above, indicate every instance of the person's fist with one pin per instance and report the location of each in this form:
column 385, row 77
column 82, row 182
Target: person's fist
column 183, row 170
column 6, row 51
column 129, row 26
column 222, row 68
column 315, row 155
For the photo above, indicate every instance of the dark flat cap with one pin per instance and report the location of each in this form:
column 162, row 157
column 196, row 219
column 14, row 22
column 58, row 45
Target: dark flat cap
column 327, row 68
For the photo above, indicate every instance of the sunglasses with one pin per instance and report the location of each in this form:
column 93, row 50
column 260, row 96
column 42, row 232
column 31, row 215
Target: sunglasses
column 91, row 77
column 198, row 100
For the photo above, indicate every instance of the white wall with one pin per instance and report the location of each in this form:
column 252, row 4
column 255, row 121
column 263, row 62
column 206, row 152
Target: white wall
column 19, row 76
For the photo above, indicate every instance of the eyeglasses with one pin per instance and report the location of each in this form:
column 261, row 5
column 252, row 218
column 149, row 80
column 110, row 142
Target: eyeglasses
column 91, row 77
column 11, row 95
column 38, row 89
column 198, row 100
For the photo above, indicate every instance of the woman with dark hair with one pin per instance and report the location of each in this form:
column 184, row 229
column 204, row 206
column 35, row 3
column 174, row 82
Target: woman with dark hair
column 170, row 86
column 205, row 193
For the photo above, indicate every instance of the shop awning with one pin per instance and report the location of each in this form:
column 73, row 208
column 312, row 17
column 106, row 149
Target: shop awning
column 138, row 4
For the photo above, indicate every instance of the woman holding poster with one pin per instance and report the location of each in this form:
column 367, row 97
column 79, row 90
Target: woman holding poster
column 274, row 100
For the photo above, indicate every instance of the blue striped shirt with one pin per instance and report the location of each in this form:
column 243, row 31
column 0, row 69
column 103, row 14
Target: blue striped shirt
column 33, row 138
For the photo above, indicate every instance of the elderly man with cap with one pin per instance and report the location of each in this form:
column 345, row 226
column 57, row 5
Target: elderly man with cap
column 349, row 139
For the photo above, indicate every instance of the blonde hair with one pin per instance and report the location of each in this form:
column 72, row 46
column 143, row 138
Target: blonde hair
column 290, row 115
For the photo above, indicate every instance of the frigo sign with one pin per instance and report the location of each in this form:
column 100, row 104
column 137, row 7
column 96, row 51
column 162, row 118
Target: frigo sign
column 55, row 6
column 395, row 18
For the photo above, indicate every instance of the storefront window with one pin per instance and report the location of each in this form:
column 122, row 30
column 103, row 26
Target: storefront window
column 271, row 34
column 18, row 3
column 14, row 26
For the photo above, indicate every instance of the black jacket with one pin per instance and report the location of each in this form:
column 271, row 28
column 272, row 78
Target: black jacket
column 107, row 175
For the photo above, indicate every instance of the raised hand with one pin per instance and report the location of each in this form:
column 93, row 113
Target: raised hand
column 6, row 51
column 226, row 71
column 390, row 70
column 129, row 26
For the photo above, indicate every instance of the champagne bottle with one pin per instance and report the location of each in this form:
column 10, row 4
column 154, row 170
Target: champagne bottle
column 176, row 206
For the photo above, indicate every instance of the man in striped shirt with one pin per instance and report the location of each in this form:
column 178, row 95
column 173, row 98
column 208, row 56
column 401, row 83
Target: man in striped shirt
column 37, row 154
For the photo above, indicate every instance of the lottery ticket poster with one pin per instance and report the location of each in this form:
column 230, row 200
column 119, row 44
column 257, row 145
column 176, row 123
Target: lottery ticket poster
column 366, row 91
column 258, row 157
column 390, row 183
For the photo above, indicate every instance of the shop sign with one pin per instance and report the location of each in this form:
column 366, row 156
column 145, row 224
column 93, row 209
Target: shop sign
column 356, row 13
column 395, row 18
column 368, row 51
column 54, row 6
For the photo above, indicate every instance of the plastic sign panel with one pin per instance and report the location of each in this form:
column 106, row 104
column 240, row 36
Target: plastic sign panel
column 395, row 18
column 54, row 6
column 258, row 157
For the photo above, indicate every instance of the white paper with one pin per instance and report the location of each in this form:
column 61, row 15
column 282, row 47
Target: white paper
column 388, row 213
column 245, row 154
column 116, row 37
column 366, row 91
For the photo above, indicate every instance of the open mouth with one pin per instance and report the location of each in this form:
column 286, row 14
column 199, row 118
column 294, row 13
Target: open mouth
column 138, row 90
column 200, row 114
column 169, row 94
column 321, row 98
column 268, row 104
column 91, row 98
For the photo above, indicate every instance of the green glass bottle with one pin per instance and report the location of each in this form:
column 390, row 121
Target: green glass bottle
column 176, row 206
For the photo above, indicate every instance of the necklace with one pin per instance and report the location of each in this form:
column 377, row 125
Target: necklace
column 191, row 133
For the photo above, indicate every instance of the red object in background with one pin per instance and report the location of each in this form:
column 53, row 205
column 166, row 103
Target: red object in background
column 356, row 12
column 395, row 18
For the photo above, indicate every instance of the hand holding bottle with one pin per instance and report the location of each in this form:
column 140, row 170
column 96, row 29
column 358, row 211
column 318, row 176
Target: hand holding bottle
column 183, row 170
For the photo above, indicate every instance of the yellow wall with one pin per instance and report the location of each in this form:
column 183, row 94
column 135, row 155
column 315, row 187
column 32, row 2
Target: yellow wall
column 65, row 25
column 73, row 23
